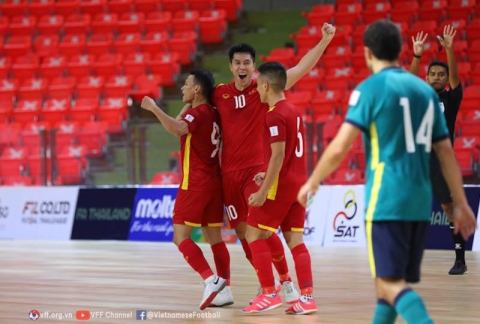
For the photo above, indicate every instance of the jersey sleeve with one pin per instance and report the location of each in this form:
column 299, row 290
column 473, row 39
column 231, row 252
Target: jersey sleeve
column 360, row 107
column 193, row 118
column 277, row 127
column 439, row 128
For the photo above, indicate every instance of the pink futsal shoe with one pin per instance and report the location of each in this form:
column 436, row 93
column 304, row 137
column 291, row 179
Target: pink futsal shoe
column 263, row 303
column 305, row 305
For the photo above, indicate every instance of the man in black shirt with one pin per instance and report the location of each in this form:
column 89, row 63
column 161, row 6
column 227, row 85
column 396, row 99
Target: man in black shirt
column 438, row 75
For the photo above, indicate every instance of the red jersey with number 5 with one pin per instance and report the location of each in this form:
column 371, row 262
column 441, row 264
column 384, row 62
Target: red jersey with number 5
column 283, row 123
column 200, row 150
column 241, row 115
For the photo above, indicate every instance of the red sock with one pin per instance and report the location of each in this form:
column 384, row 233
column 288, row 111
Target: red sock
column 278, row 257
column 194, row 257
column 246, row 248
column 303, row 267
column 262, row 261
column 222, row 260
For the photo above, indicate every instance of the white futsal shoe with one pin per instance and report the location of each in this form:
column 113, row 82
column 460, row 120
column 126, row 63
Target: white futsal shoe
column 223, row 298
column 213, row 286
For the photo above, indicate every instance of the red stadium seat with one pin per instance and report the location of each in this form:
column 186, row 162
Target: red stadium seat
column 66, row 7
column 22, row 25
column 105, row 23
column 108, row 65
column 213, row 27
column 201, row 5
column 77, row 23
column 73, row 44
column 135, row 64
column 433, row 9
column 461, row 9
column 55, row 110
column 50, row 24
column 80, row 65
column 120, row 6
column 376, row 11
column 100, row 44
column 90, row 87
column 127, row 43
column 166, row 66
column 348, row 14
column 118, row 86
column 93, row 7
column 406, row 11
column 17, row 46
column 320, row 13
column 233, row 8
column 154, row 42
column 131, row 22
column 311, row 82
column 39, row 8
column 174, row 5
column 147, row 5
column 158, row 22
column 84, row 110
column 25, row 67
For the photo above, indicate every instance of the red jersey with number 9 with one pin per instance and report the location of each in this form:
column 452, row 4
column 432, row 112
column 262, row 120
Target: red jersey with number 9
column 200, row 149
column 242, row 115
column 283, row 123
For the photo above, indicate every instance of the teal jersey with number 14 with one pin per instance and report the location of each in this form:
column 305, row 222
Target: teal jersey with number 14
column 400, row 117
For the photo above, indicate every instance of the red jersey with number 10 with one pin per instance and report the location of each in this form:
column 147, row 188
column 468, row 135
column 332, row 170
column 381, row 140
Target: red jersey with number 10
column 242, row 115
column 283, row 123
column 199, row 150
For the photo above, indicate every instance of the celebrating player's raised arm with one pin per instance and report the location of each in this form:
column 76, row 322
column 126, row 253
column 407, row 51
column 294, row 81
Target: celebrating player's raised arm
column 308, row 62
column 173, row 126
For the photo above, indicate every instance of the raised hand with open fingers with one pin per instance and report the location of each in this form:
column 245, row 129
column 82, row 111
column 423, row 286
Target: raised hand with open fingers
column 419, row 43
column 448, row 35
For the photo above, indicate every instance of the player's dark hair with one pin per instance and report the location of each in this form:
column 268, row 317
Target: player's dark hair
column 276, row 75
column 205, row 80
column 241, row 48
column 438, row 63
column 384, row 39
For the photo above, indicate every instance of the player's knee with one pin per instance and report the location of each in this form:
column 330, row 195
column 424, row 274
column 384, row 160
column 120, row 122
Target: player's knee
column 389, row 288
column 293, row 239
column 240, row 230
column 212, row 234
column 180, row 234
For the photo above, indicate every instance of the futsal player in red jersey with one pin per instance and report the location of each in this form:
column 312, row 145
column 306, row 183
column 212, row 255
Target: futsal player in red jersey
column 199, row 200
column 242, row 115
column 274, row 204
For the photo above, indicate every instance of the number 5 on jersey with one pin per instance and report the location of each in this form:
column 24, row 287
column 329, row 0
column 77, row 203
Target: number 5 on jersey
column 424, row 132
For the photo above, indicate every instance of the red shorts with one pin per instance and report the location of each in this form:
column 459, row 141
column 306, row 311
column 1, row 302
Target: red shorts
column 237, row 187
column 198, row 208
column 290, row 216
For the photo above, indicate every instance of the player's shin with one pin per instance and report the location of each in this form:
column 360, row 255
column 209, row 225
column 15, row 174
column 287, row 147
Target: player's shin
column 384, row 313
column 278, row 257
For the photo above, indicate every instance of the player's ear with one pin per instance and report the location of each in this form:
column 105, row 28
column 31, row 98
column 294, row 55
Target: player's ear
column 368, row 53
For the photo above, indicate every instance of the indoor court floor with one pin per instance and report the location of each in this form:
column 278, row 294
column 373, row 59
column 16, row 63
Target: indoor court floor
column 117, row 278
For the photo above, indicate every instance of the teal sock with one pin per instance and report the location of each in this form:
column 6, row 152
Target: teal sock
column 384, row 313
column 411, row 308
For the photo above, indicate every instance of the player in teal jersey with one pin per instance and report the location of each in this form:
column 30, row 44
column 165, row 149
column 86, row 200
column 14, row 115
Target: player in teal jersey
column 401, row 120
